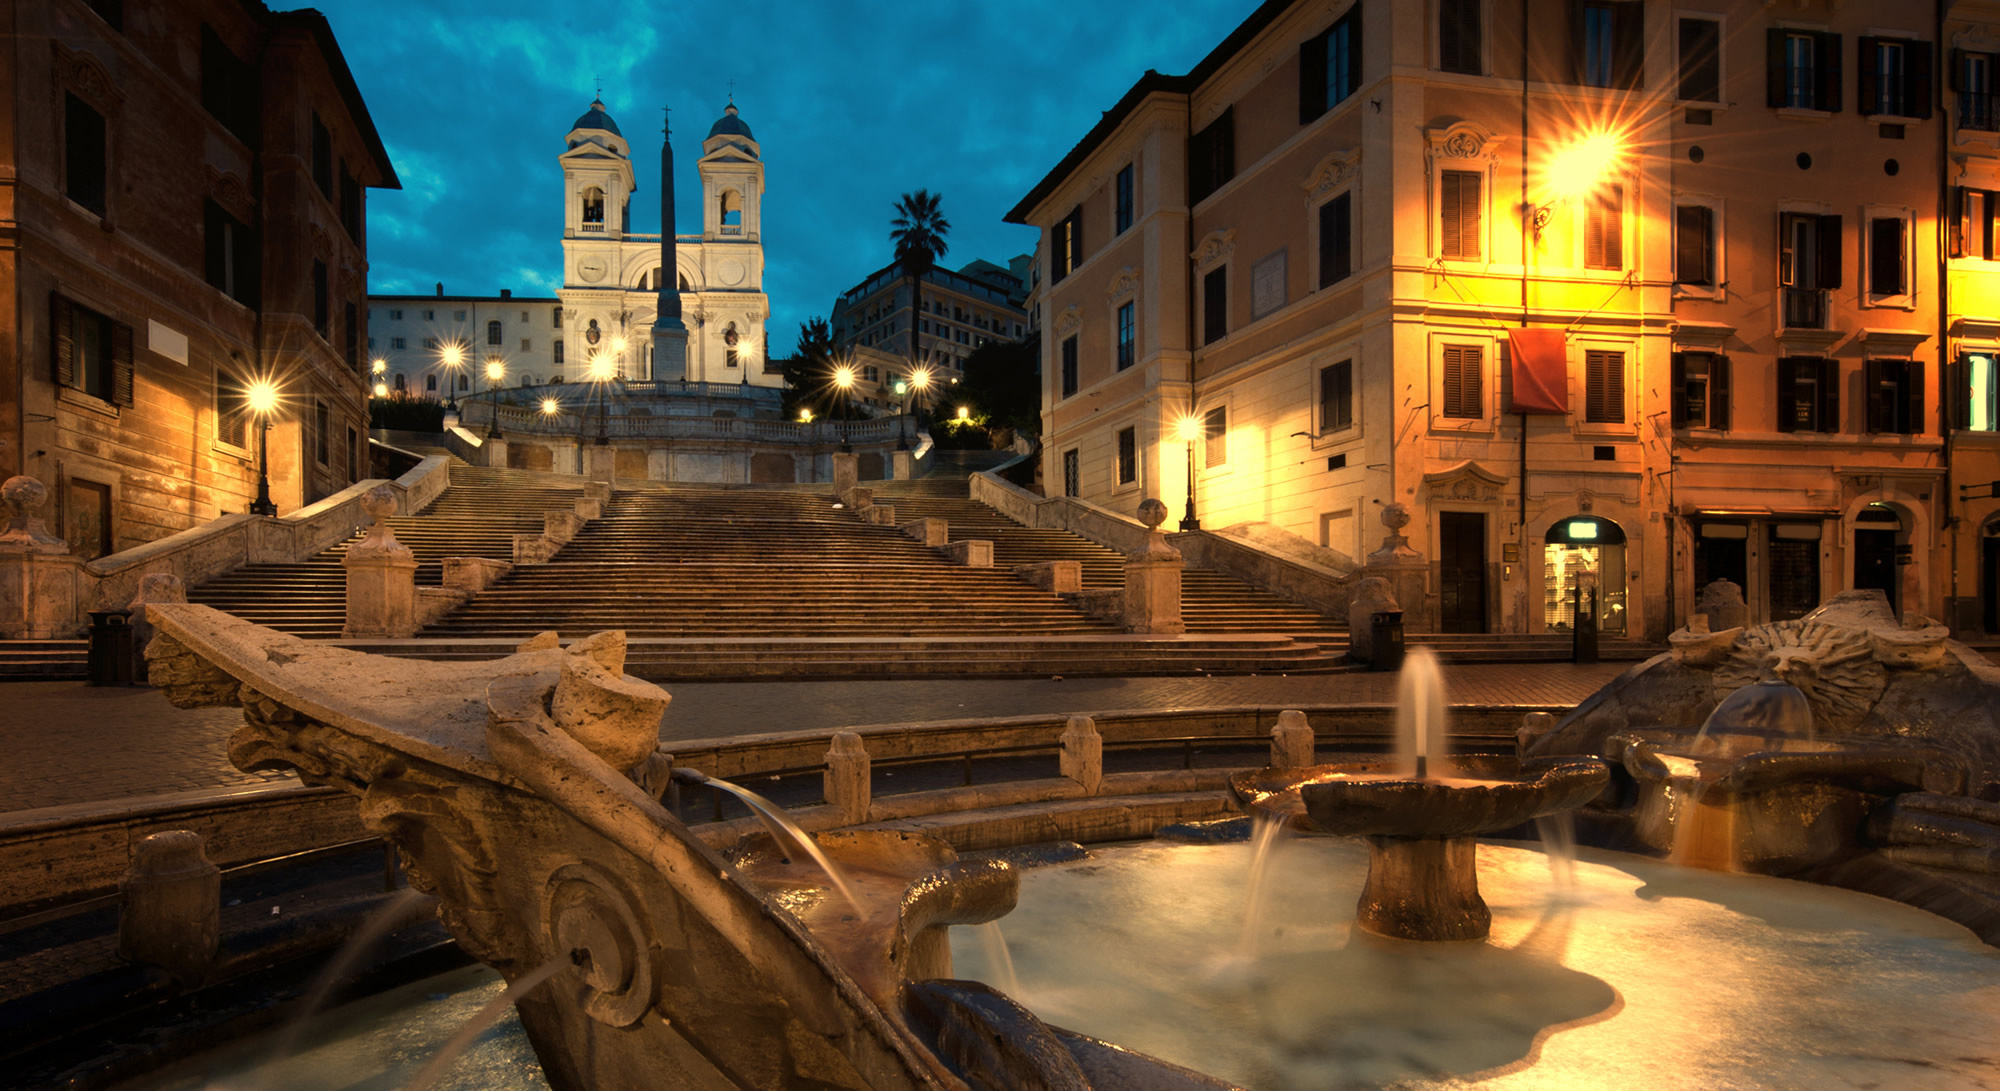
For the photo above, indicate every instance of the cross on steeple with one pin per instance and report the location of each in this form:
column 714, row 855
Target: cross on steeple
column 667, row 125
column 600, row 86
column 732, row 92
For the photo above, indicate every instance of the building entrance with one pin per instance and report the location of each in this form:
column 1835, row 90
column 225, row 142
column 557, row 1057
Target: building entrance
column 1989, row 579
column 1462, row 572
column 1791, row 553
column 1875, row 531
column 1584, row 554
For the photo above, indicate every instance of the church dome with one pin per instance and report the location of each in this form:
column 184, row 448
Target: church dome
column 730, row 125
column 596, row 118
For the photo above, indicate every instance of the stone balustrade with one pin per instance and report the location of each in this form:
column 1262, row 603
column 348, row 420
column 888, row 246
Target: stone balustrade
column 1060, row 577
column 381, row 578
column 880, row 515
column 970, row 552
column 931, row 531
column 473, row 574
column 1292, row 741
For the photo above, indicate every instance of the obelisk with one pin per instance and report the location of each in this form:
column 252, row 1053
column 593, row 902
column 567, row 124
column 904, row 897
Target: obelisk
column 670, row 336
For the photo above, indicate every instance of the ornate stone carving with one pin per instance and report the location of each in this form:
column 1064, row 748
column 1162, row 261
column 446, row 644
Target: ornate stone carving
column 1068, row 320
column 1465, row 140
column 1331, row 173
column 1215, row 247
column 1124, row 284
column 25, row 532
column 1833, row 665
column 225, row 188
column 87, row 76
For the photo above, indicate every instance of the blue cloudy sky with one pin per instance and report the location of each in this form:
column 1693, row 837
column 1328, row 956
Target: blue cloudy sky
column 853, row 103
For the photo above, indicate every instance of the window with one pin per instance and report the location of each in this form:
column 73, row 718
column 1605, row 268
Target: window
column 395, row 316
column 1802, row 69
column 493, row 332
column 232, row 410
column 464, row 382
column 1330, row 66
column 1215, row 437
column 85, row 162
column 1976, row 393
column 1267, row 285
column 593, row 206
column 350, row 326
column 1459, row 36
column 1459, row 230
column 231, row 259
column 1888, row 256
column 1894, row 78
column 399, row 343
column 322, row 434
column 1972, row 79
column 555, row 317
column 524, row 314
column 1895, row 393
column 1808, row 266
column 431, row 383
column 1123, row 212
column 1065, row 247
column 1700, row 60
column 458, row 316
column 353, row 455
column 1700, row 390
column 1808, row 394
column 93, row 354
column 1336, row 240
column 1127, row 336
column 1336, row 396
column 1072, row 473
column 430, row 344
column 322, row 156
column 1694, row 245
column 1215, row 305
column 1128, row 455
column 430, row 315
column 1604, row 229
column 1068, row 366
column 229, row 90
column 402, row 383
column 1608, row 43
column 322, row 304
column 1603, row 387
column 1211, row 157
column 1462, row 379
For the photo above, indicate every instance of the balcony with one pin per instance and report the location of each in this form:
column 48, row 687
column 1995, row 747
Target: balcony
column 1978, row 110
column 1805, row 308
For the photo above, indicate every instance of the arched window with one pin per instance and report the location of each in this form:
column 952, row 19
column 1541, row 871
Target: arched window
column 493, row 332
column 402, row 384
column 1584, row 554
column 593, row 205
column 527, row 379
column 684, row 284
column 731, row 212
column 729, row 339
column 464, row 382
column 431, row 383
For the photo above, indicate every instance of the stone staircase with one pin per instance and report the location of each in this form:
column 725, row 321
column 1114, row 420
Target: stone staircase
column 477, row 516
column 43, row 660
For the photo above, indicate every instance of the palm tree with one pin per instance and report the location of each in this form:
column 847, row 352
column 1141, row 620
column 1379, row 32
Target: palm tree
column 918, row 231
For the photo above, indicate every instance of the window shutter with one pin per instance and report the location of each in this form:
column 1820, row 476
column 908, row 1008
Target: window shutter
column 1604, row 386
column 1312, row 77
column 1336, row 240
column 1604, row 229
column 1448, row 227
column 1957, row 406
column 1881, row 414
column 1197, row 167
column 1593, row 233
column 1718, row 391
column 1774, row 67
column 121, row 364
column 1788, row 394
column 1866, row 77
column 1958, row 69
column 1917, row 79
column 1343, row 394
column 1679, row 382
column 1955, row 239
column 1828, row 58
column 1451, row 35
column 62, row 340
column 1913, row 400
column 1829, row 252
column 1829, row 395
column 1075, row 238
column 1628, row 45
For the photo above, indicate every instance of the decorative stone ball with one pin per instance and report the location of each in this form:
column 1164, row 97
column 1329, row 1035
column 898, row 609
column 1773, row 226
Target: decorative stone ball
column 380, row 503
column 24, row 494
column 1395, row 516
column 1152, row 512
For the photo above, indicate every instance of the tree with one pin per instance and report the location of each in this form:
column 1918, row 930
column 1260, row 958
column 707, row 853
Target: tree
column 1003, row 382
column 918, row 232
column 809, row 370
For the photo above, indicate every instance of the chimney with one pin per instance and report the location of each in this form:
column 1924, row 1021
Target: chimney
column 506, row 293
column 440, row 289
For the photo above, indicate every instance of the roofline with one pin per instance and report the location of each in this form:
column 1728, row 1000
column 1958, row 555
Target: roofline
column 1153, row 82
column 983, row 282
column 350, row 92
column 474, row 298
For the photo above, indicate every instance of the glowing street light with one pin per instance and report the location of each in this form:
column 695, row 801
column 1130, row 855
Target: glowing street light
column 964, row 413
column 805, row 416
column 550, row 407
column 1190, row 428
column 496, row 378
column 1578, row 168
column 602, row 368
column 262, row 398
column 843, row 377
column 381, row 390
column 452, row 356
column 379, row 366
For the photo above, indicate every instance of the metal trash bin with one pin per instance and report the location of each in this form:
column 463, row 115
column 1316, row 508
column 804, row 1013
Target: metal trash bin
column 1385, row 640
column 110, row 648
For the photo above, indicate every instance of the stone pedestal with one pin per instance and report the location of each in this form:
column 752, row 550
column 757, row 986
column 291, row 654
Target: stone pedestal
column 599, row 491
column 902, row 466
column 1404, row 571
column 1083, row 753
column 172, row 911
column 600, row 462
column 1292, row 741
column 381, row 576
column 38, row 577
column 153, row 587
column 930, row 531
column 1424, row 888
column 588, row 509
column 473, row 574
column 880, row 515
column 847, row 783
column 846, row 470
column 1153, row 595
column 560, row 526
column 970, row 552
column 1371, row 596
column 493, row 452
column 1061, row 577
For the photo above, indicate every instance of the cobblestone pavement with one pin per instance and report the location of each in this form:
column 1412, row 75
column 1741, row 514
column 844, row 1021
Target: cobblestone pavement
column 66, row 743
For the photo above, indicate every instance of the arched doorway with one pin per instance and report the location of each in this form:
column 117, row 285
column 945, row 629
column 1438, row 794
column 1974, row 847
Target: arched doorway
column 1877, row 529
column 1584, row 553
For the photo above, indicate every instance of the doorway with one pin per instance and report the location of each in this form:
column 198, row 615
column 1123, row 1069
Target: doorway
column 1791, row 553
column 1586, row 555
column 1462, row 572
column 1989, row 579
column 1875, row 532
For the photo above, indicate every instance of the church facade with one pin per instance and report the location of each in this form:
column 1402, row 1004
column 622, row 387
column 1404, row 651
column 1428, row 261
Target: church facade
column 612, row 276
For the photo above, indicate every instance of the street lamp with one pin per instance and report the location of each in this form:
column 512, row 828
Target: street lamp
column 496, row 375
column 843, row 377
column 262, row 397
column 920, row 381
column 1190, row 428
column 805, row 416
column 452, row 356
column 602, row 367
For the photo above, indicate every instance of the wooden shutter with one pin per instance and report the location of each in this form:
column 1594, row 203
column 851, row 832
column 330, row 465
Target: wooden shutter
column 1718, row 391
column 1829, row 395
column 1678, row 379
column 1604, row 229
column 1774, row 67
column 1628, row 45
column 1788, row 394
column 1917, row 78
column 121, row 363
column 1215, row 305
column 1829, row 252
column 1604, row 387
column 1462, row 381
column 1459, row 228
column 1198, row 156
column 1867, row 77
column 1458, row 36
column 1827, row 58
column 1881, row 413
column 1956, row 236
column 1312, row 76
column 62, row 340
column 1215, row 445
column 1957, row 403
column 1913, row 400
column 1336, row 396
column 1336, row 240
column 1576, row 40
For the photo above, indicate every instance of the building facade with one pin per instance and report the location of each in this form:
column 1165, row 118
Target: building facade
column 438, row 345
column 959, row 311
column 185, row 198
column 1648, row 297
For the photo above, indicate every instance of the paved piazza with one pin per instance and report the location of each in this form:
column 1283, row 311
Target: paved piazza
column 68, row 743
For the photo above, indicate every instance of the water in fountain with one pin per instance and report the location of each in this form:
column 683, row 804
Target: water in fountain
column 382, row 921
column 1000, row 963
column 1558, row 834
column 790, row 838
column 1420, row 717
column 486, row 1017
column 1264, row 844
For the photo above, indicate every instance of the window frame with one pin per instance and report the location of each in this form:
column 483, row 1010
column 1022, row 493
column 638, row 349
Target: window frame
column 1826, row 394
column 1125, row 457
column 1906, row 297
column 1125, row 333
column 1211, row 156
column 1317, row 229
column 1214, row 438
column 1593, row 212
column 1328, row 422
column 1913, row 95
column 1480, row 15
column 1070, row 366
column 1963, row 404
column 1715, row 383
column 1783, row 88
column 1072, row 472
column 1213, row 302
column 1681, row 59
column 1716, row 245
column 1480, row 417
column 1904, row 415
column 1624, row 68
column 232, row 411
column 1977, row 103
column 1328, row 79
column 1124, row 199
column 1604, row 409
column 113, row 389
column 102, row 210
column 1482, row 206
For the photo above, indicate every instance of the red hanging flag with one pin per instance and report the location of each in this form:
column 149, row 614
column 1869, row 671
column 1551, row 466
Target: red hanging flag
column 1540, row 362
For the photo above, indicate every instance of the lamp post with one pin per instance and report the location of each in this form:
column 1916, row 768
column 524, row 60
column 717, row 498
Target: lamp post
column 1190, row 428
column 496, row 374
column 843, row 377
column 601, row 368
column 262, row 397
column 452, row 356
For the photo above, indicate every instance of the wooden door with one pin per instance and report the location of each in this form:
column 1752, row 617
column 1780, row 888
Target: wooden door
column 1462, row 572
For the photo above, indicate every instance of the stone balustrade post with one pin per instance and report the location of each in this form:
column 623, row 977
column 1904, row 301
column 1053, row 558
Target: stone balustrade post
column 970, row 552
column 931, row 531
column 599, row 491
column 38, row 576
column 1083, row 753
column 856, row 497
column 495, row 452
column 381, row 576
column 153, row 587
column 846, row 466
column 600, row 462
column 848, row 781
column 902, row 465
column 560, row 526
column 171, row 915
column 881, row 515
column 587, row 509
column 1292, row 741
column 1403, row 571
column 1153, row 579
column 1061, row 577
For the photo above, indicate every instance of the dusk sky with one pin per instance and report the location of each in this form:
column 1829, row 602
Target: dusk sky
column 853, row 104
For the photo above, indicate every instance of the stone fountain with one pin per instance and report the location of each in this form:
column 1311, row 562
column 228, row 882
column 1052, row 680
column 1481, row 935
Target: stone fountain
column 1421, row 816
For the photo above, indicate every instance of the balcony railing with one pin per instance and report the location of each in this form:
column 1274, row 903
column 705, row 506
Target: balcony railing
column 1805, row 308
column 1978, row 110
column 582, row 423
